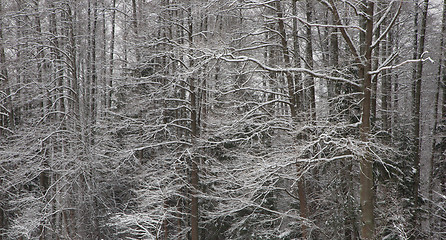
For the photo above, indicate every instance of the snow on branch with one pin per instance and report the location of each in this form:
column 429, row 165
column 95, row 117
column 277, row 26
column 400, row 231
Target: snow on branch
column 230, row 58
column 388, row 27
column 401, row 64
column 328, row 25
column 344, row 33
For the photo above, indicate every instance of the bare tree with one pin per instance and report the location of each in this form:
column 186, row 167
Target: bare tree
column 417, row 110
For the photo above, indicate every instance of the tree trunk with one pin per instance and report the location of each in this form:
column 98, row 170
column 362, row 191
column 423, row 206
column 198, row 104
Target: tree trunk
column 386, row 86
column 104, row 61
column 4, row 116
column 375, row 78
column 366, row 194
column 417, row 111
column 6, row 111
column 194, row 214
column 112, row 51
column 437, row 122
column 442, row 149
column 309, row 59
column 94, row 75
column 135, row 29
column 415, row 44
column 297, row 61
column 75, row 95
column 194, row 163
column 292, row 99
column 366, row 164
column 59, row 101
column 333, row 88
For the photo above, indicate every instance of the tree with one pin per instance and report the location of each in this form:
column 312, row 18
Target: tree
column 7, row 116
column 417, row 108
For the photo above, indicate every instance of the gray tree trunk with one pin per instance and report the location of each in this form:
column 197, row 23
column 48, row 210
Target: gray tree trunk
column 417, row 107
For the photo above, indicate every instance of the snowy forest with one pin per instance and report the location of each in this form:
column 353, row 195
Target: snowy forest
column 223, row 119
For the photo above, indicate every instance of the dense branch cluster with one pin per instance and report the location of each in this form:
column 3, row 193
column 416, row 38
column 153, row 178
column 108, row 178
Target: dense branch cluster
column 216, row 119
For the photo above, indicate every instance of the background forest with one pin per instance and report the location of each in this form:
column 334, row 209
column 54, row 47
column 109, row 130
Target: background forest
column 222, row 119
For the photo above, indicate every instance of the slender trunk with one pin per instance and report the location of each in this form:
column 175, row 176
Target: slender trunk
column 396, row 86
column 44, row 176
column 74, row 64
column 334, row 57
column 415, row 44
column 194, row 164
column 112, row 51
column 366, row 164
column 194, row 216
column 375, row 77
column 297, row 62
column 94, row 75
column 135, row 29
column 6, row 109
column 40, row 56
column 389, row 81
column 309, row 59
column 417, row 112
column 293, row 106
column 3, row 116
column 443, row 108
column 44, row 186
column 60, row 97
column 334, row 88
column 2, row 220
column 366, row 194
column 286, row 58
column 437, row 121
column 386, row 86
column 272, row 61
column 44, row 180
column 103, row 95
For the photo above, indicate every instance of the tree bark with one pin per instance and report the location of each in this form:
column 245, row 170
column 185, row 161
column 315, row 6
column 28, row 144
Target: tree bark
column 297, row 61
column 375, row 78
column 442, row 149
column 44, row 178
column 6, row 111
column 4, row 117
column 386, row 86
column 111, row 59
column 94, row 74
column 194, row 215
column 194, row 164
column 135, row 29
column 417, row 111
column 415, row 44
column 366, row 194
column 293, row 110
column 437, row 122
column 309, row 59
column 366, row 164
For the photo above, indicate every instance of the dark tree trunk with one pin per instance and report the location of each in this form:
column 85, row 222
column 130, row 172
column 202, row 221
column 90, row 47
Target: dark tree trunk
column 366, row 164
column 135, row 29
column 6, row 109
column 309, row 59
column 375, row 78
column 109, row 90
column 194, row 212
column 386, row 86
column 297, row 61
column 293, row 109
column 417, row 111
